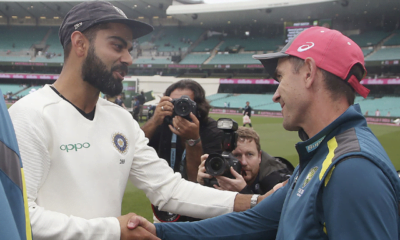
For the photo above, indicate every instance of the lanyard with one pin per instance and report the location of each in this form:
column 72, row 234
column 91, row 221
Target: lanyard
column 173, row 155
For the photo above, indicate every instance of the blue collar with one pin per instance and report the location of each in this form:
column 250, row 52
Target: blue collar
column 350, row 118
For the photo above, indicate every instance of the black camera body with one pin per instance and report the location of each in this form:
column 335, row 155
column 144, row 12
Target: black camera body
column 183, row 106
column 219, row 165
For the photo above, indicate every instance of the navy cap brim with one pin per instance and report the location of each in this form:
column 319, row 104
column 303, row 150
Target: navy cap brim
column 270, row 61
column 90, row 13
column 139, row 29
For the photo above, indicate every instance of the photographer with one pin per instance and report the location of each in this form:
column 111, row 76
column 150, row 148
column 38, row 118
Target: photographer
column 259, row 173
column 181, row 141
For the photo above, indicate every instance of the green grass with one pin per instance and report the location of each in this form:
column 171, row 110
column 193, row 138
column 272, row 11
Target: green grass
column 136, row 201
column 277, row 142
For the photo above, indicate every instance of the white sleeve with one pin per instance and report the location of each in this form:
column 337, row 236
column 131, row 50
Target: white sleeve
column 169, row 191
column 33, row 142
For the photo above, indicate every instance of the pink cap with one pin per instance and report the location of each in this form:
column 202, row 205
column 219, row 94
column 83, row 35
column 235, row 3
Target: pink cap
column 331, row 50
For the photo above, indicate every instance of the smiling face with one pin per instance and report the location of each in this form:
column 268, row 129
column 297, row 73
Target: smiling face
column 108, row 58
column 250, row 158
column 291, row 95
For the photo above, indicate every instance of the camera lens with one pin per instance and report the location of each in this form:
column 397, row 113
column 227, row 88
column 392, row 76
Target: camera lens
column 216, row 164
column 182, row 108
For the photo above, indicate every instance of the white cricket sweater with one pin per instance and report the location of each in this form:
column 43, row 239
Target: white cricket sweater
column 76, row 170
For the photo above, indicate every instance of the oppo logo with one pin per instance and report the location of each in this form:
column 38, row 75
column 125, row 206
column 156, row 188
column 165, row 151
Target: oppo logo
column 305, row 47
column 76, row 146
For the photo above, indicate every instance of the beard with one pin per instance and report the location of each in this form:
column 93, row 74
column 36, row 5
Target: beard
column 95, row 72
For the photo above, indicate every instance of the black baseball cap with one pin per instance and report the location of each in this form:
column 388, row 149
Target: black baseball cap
column 89, row 13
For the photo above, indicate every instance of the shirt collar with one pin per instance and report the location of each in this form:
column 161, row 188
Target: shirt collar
column 307, row 149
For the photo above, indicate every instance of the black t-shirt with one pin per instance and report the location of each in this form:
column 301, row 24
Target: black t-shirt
column 210, row 135
column 211, row 138
column 247, row 109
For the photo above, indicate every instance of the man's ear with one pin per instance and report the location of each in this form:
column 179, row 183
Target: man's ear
column 79, row 44
column 310, row 69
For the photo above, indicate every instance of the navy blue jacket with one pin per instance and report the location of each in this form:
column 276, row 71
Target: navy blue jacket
column 345, row 187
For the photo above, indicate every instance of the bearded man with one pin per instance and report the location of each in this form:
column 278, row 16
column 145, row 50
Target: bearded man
column 79, row 150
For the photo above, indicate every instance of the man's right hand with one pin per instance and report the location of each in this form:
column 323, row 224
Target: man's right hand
column 136, row 227
column 164, row 108
column 201, row 174
column 235, row 184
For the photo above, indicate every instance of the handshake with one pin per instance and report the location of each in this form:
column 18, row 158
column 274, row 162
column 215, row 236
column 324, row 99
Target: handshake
column 136, row 227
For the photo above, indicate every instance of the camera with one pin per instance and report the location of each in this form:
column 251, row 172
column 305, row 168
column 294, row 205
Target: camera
column 219, row 165
column 183, row 106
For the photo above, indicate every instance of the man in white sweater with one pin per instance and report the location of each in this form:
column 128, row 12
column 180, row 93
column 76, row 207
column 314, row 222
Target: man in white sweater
column 79, row 150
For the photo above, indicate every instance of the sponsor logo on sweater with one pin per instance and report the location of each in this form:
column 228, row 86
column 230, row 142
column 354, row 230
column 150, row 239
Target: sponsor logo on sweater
column 314, row 145
column 120, row 142
column 74, row 147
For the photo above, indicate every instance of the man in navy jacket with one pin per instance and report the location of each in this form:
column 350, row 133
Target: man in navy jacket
column 345, row 186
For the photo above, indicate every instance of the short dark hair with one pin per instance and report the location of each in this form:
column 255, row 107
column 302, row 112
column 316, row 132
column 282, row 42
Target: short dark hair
column 90, row 34
column 203, row 107
column 335, row 85
column 249, row 134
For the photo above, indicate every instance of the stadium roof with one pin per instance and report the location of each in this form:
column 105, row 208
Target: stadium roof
column 198, row 12
column 51, row 9
column 275, row 11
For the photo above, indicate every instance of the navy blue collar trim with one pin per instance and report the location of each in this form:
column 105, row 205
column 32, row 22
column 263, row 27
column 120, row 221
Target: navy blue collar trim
column 350, row 118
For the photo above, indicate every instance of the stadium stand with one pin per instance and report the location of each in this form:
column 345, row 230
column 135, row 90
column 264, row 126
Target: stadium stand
column 28, row 90
column 194, row 58
column 15, row 58
column 370, row 38
column 149, row 37
column 251, row 44
column 10, row 87
column 175, row 38
column 393, row 40
column 235, row 58
column 367, row 51
column 16, row 38
column 392, row 53
column 15, row 46
column 147, row 41
column 54, row 49
column 153, row 60
column 385, row 104
column 217, row 96
column 257, row 101
column 207, row 44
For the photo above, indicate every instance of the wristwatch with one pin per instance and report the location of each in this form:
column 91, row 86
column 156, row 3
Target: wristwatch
column 192, row 142
column 253, row 200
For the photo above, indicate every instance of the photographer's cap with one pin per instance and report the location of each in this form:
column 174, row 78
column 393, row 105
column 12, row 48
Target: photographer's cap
column 90, row 13
column 331, row 50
